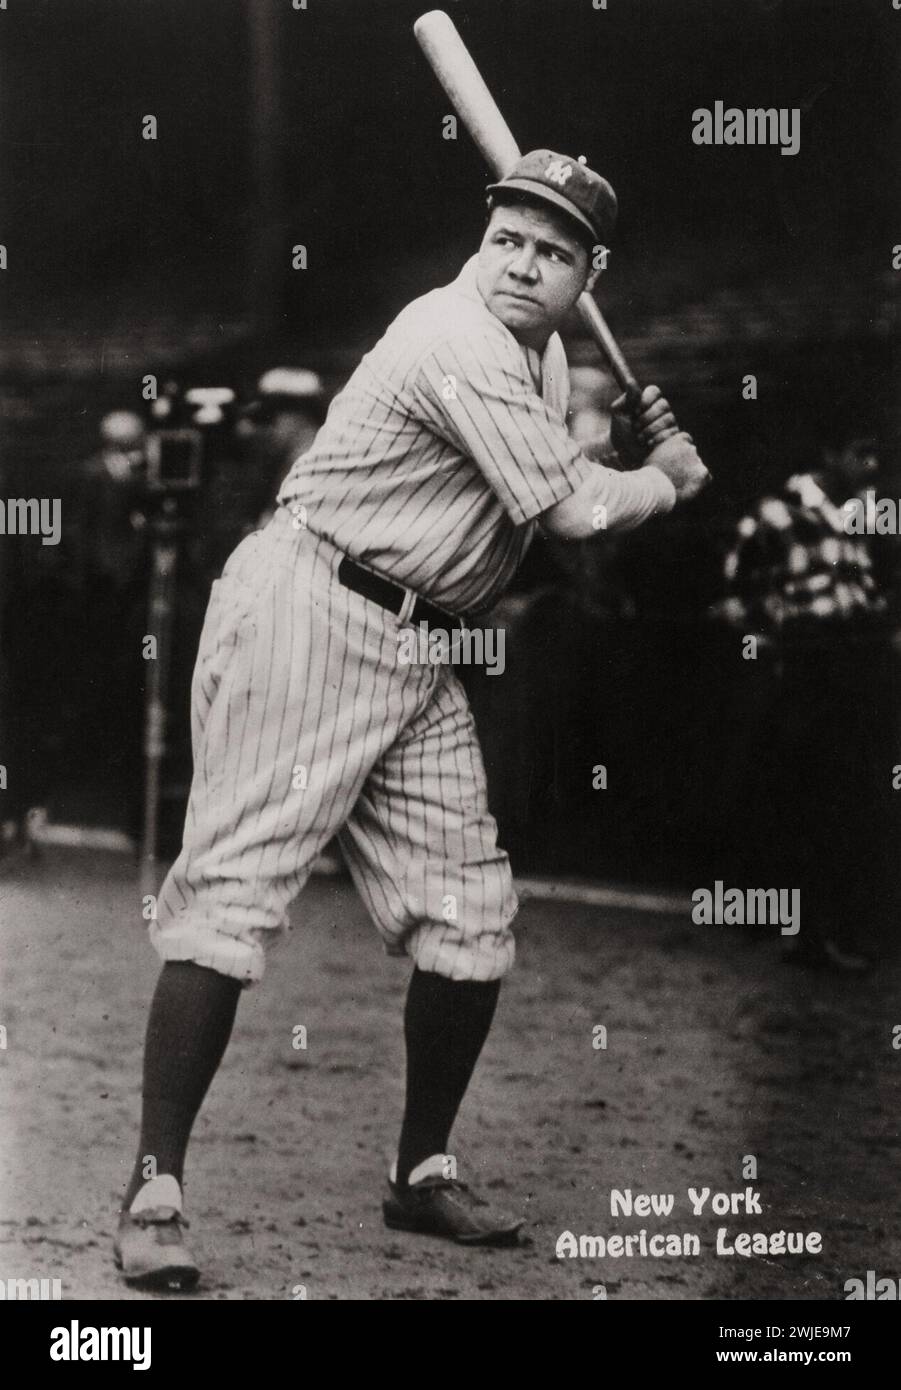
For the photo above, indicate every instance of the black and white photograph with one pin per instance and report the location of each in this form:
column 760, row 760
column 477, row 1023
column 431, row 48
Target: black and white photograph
column 450, row 660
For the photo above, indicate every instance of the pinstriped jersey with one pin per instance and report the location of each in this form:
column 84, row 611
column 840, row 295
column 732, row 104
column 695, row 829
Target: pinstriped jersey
column 446, row 444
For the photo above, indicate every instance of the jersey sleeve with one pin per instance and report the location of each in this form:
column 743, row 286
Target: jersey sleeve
column 478, row 394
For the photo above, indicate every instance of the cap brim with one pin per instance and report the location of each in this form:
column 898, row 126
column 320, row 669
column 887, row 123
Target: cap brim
column 274, row 401
column 544, row 195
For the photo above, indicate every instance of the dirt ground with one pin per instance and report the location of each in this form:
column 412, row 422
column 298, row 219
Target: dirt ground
column 715, row 1050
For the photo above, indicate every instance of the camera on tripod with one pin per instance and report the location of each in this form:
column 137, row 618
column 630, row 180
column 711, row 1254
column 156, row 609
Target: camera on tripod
column 176, row 448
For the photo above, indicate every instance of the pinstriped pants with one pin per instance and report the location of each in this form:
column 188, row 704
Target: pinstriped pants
column 305, row 725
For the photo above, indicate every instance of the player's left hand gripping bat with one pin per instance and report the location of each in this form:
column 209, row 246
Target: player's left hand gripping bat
column 453, row 65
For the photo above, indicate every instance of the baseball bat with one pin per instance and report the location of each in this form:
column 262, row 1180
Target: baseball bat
column 453, row 65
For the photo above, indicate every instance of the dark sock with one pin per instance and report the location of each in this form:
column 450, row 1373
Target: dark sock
column 445, row 1024
column 190, row 1023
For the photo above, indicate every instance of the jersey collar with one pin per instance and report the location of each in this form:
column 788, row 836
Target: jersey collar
column 466, row 283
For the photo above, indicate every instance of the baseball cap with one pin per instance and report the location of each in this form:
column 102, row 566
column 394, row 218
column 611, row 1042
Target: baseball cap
column 567, row 184
column 286, row 388
column 122, row 429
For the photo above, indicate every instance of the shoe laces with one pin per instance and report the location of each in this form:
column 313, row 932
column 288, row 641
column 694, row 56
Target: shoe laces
column 455, row 1187
column 159, row 1216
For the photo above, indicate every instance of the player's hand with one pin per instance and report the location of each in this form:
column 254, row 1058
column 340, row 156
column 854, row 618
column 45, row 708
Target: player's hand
column 677, row 457
column 634, row 433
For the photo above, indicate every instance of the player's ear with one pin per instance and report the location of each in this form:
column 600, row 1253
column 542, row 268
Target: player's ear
column 593, row 266
column 592, row 277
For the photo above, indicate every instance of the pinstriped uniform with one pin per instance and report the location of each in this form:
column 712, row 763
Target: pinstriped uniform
column 434, row 461
column 448, row 440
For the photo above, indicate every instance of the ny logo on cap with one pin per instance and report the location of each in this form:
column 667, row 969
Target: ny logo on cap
column 558, row 172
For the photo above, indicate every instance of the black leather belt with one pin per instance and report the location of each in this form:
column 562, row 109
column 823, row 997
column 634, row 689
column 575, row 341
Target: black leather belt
column 391, row 596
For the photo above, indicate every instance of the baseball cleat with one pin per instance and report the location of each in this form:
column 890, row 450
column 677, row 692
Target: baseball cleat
column 438, row 1206
column 150, row 1250
column 149, row 1247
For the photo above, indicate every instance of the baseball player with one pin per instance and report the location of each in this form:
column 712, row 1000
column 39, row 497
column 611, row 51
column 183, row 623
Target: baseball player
column 415, row 504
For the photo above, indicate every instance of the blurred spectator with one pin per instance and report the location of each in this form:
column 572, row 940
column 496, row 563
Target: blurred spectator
column 111, row 552
column 111, row 545
column 281, row 424
column 792, row 565
column 811, row 726
column 278, row 425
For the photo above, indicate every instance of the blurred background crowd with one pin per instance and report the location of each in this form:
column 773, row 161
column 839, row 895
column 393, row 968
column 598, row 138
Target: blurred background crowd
column 172, row 258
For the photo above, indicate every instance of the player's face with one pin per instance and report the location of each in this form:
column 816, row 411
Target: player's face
column 531, row 271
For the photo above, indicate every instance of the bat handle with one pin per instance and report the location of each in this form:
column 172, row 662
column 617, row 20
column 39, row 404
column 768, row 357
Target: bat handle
column 596, row 324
